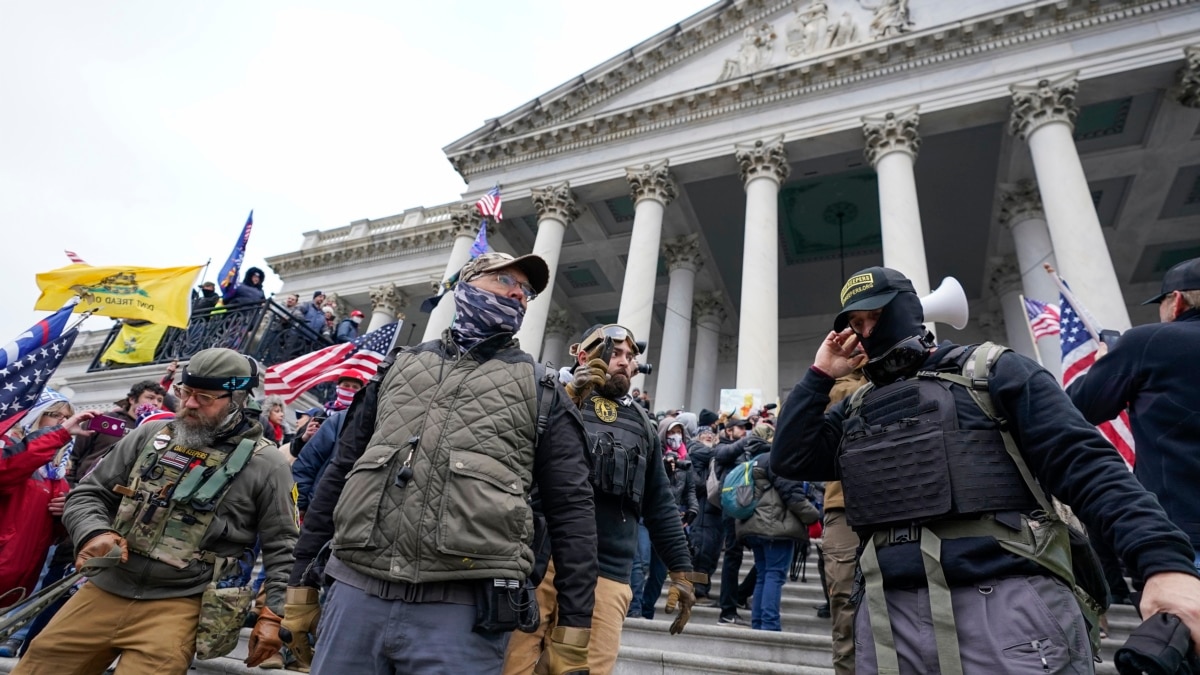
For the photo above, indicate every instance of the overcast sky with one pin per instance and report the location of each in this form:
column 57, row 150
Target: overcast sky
column 142, row 132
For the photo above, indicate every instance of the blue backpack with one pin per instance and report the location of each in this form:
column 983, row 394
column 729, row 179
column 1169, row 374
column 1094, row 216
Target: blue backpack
column 738, row 498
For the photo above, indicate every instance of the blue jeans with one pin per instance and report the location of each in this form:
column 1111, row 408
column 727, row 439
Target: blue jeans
column 637, row 576
column 772, row 557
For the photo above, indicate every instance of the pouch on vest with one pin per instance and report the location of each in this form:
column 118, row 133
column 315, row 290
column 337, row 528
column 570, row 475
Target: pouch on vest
column 223, row 609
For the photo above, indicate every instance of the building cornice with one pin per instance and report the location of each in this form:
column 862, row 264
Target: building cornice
column 337, row 249
column 529, row 137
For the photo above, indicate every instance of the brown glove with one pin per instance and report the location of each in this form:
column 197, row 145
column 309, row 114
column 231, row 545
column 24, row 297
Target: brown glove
column 99, row 546
column 682, row 595
column 587, row 376
column 567, row 653
column 299, row 628
column 264, row 639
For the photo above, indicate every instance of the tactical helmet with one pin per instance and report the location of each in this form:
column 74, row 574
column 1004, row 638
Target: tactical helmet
column 220, row 369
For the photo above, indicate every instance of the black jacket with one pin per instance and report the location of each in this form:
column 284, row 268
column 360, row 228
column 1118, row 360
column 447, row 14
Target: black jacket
column 1154, row 371
column 743, row 449
column 1065, row 453
column 560, row 474
column 701, row 457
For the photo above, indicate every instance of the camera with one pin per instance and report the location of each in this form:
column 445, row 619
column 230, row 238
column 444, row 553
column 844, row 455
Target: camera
column 645, row 368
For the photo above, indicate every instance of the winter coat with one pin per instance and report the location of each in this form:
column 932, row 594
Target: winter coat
column 246, row 292
column 27, row 530
column 783, row 510
column 683, row 488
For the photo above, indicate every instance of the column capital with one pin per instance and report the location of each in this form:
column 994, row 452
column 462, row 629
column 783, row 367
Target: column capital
column 894, row 131
column 683, row 252
column 763, row 159
column 1187, row 82
column 464, row 222
column 652, row 181
column 1004, row 277
column 555, row 201
column 389, row 298
column 558, row 322
column 709, row 306
column 1021, row 202
column 1035, row 105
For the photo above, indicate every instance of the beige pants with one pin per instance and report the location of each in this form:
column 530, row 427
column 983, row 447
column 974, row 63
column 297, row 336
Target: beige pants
column 612, row 602
column 152, row 637
column 838, row 545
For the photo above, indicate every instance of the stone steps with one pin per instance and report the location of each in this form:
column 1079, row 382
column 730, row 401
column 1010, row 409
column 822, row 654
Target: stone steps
column 647, row 648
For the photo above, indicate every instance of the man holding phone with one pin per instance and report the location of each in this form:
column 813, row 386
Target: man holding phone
column 112, row 427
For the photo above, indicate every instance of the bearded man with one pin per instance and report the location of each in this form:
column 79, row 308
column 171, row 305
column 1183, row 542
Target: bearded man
column 168, row 518
column 629, row 483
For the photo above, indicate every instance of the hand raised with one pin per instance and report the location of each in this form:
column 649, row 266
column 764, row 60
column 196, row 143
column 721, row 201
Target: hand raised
column 840, row 354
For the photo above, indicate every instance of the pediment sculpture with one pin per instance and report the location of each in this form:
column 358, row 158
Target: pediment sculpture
column 812, row 30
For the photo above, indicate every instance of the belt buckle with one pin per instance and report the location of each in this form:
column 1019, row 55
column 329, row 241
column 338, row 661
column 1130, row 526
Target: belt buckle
column 904, row 535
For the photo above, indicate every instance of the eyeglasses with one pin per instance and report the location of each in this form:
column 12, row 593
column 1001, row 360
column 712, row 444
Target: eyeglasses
column 185, row 392
column 509, row 281
column 55, row 415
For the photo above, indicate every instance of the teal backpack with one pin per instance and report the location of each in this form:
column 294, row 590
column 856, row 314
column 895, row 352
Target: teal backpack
column 738, row 498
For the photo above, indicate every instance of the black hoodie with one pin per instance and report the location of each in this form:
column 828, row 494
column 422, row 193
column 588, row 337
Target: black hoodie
column 247, row 291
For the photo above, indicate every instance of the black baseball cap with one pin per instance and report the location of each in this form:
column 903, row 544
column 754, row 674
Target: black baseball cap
column 869, row 289
column 1183, row 277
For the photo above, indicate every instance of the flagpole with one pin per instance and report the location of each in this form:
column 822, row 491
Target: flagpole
column 1029, row 327
column 1084, row 317
column 204, row 272
column 78, row 321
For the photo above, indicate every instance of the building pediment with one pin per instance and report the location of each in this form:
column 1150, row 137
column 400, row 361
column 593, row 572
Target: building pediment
column 740, row 54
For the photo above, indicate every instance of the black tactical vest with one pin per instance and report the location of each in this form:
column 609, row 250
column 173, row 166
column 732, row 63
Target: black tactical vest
column 904, row 460
column 619, row 449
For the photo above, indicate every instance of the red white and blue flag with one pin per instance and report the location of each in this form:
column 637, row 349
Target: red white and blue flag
column 27, row 363
column 489, row 204
column 1044, row 318
column 292, row 378
column 1078, row 355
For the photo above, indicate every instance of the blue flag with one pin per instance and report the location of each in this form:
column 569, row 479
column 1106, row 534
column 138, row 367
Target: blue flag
column 39, row 335
column 480, row 246
column 228, row 278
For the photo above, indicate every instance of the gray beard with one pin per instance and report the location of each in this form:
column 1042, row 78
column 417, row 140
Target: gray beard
column 194, row 437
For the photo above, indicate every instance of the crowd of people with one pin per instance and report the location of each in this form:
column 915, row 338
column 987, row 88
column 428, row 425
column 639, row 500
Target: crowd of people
column 464, row 510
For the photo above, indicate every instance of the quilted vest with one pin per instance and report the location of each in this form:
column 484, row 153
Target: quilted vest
column 439, row 494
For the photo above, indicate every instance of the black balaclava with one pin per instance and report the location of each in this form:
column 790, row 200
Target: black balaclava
column 899, row 341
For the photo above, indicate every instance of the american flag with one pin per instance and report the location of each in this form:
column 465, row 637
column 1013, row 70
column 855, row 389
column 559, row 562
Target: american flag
column 489, row 204
column 75, row 257
column 1078, row 355
column 292, row 378
column 1043, row 318
column 23, row 379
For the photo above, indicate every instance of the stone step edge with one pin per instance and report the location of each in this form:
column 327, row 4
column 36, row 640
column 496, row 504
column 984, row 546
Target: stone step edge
column 674, row 661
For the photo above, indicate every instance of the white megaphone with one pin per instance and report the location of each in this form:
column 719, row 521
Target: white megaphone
column 946, row 304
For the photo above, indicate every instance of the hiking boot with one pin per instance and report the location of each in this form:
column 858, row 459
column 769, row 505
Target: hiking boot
column 733, row 620
column 823, row 611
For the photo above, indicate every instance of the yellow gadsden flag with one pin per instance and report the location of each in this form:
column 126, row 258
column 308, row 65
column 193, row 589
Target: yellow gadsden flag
column 160, row 295
column 135, row 343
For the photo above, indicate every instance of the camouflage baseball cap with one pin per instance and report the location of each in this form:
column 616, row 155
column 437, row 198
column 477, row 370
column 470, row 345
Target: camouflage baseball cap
column 532, row 265
column 220, row 369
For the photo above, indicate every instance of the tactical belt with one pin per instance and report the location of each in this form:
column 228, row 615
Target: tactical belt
column 453, row 592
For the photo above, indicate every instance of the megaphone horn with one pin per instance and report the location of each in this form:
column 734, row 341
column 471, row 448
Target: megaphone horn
column 947, row 304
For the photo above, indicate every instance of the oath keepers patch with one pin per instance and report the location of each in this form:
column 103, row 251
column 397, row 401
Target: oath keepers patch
column 606, row 410
column 856, row 285
column 180, row 458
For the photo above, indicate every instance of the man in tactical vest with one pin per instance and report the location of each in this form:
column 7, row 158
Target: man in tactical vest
column 629, row 481
column 425, row 501
column 164, row 523
column 947, row 458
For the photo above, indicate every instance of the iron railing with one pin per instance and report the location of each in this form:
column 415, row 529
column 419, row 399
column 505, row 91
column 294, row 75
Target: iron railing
column 264, row 330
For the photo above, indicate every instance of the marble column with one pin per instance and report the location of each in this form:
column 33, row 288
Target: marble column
column 1044, row 116
column 386, row 302
column 764, row 167
column 556, row 209
column 683, row 261
column 465, row 225
column 892, row 143
column 1187, row 85
column 709, row 311
column 653, row 189
column 1005, row 284
column 1021, row 212
column 560, row 331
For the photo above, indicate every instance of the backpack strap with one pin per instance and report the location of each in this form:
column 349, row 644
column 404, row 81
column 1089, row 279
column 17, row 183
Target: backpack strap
column 856, row 399
column 547, row 378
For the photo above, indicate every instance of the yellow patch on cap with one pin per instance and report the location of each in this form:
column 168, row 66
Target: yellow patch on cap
column 855, row 285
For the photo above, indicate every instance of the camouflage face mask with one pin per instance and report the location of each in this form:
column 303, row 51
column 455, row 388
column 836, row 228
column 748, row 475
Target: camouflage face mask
column 481, row 314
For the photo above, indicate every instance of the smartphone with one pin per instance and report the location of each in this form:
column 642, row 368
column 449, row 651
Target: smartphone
column 1110, row 337
column 105, row 424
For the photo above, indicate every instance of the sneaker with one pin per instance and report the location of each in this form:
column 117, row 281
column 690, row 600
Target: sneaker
column 10, row 647
column 733, row 620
